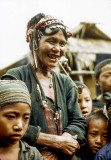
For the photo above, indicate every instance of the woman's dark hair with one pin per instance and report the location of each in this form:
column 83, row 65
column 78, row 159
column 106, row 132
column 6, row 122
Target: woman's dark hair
column 35, row 19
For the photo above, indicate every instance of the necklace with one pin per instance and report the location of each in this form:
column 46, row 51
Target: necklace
column 43, row 81
column 51, row 83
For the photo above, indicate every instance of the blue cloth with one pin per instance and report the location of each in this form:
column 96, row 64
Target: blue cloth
column 104, row 153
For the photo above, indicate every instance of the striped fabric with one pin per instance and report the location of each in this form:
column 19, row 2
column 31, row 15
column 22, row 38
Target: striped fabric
column 13, row 91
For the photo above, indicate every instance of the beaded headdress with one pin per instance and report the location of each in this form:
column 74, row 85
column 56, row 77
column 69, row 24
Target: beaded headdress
column 45, row 26
column 40, row 25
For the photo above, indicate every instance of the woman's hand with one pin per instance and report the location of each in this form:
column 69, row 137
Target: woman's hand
column 65, row 143
column 68, row 144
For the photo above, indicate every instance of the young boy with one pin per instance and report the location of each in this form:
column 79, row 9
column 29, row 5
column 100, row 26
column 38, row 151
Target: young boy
column 15, row 108
column 105, row 152
column 97, row 134
column 103, row 81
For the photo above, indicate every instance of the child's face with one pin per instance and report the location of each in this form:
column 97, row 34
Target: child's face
column 14, row 119
column 97, row 134
column 85, row 102
column 104, row 80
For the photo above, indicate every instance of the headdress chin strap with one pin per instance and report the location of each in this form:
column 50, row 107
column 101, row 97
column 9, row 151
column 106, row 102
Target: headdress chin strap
column 34, row 48
column 33, row 45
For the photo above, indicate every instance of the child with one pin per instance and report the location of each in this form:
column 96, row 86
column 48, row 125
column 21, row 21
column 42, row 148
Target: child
column 84, row 98
column 105, row 152
column 15, row 108
column 97, row 134
column 103, row 81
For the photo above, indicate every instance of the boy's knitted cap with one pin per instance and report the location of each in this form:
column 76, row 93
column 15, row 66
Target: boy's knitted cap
column 13, row 91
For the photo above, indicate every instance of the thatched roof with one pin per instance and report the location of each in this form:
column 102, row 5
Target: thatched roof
column 88, row 40
column 89, row 45
column 89, row 30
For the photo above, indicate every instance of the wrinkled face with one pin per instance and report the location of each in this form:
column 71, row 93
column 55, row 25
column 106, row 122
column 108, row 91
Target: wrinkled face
column 85, row 102
column 14, row 119
column 51, row 48
column 97, row 134
column 104, row 80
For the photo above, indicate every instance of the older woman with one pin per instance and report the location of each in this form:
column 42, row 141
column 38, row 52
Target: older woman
column 56, row 122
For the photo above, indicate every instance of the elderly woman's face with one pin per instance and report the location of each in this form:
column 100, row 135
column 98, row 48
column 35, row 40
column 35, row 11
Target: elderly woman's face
column 51, row 48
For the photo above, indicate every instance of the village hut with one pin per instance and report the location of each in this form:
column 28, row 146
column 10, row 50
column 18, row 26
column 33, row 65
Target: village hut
column 87, row 46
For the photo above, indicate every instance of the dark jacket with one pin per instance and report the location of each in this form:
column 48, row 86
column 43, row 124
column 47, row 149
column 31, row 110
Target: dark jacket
column 85, row 153
column 66, row 100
